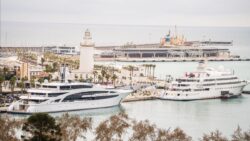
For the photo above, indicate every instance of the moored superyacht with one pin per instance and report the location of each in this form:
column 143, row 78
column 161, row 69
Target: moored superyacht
column 79, row 99
column 65, row 96
column 204, row 83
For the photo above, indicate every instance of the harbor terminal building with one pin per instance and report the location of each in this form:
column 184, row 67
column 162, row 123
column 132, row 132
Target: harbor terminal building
column 169, row 47
column 182, row 52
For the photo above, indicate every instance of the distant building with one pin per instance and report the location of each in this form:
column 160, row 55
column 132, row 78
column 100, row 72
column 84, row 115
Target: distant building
column 24, row 70
column 188, row 52
column 35, row 73
column 65, row 50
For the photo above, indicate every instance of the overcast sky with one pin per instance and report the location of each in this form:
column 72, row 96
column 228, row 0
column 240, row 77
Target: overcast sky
column 131, row 12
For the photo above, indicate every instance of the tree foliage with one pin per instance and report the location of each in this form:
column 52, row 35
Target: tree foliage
column 143, row 131
column 73, row 127
column 12, row 83
column 239, row 135
column 41, row 127
column 113, row 128
column 176, row 135
column 214, row 136
column 8, row 128
column 2, row 79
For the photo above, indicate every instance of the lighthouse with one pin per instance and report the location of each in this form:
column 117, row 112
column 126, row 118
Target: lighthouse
column 87, row 53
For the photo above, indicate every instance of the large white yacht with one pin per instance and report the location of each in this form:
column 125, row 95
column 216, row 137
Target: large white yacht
column 204, row 83
column 79, row 99
column 65, row 96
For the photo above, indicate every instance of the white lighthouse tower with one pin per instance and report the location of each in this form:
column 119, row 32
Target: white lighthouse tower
column 87, row 53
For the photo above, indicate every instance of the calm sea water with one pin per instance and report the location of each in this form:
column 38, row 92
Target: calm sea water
column 37, row 34
column 195, row 117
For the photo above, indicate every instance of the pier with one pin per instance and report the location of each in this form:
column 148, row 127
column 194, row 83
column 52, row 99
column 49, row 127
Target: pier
column 133, row 99
column 170, row 59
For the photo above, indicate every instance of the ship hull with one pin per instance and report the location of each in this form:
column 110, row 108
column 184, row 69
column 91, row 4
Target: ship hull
column 67, row 106
column 211, row 94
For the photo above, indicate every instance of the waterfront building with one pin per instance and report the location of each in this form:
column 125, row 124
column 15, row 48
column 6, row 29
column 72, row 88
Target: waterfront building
column 24, row 70
column 64, row 50
column 170, row 46
column 35, row 72
column 181, row 52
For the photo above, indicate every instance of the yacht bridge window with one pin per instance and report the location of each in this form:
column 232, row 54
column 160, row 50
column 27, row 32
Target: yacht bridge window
column 209, row 84
column 209, row 79
column 48, row 86
column 80, row 86
column 75, row 87
column 187, row 80
column 64, row 87
column 231, row 78
column 54, row 94
column 82, row 96
column 38, row 94
column 226, row 83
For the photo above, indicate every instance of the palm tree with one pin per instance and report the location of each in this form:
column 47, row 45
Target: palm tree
column 147, row 66
column 32, row 82
column 150, row 72
column 107, row 76
column 100, row 78
column 21, row 84
column 2, row 79
column 5, row 71
column 114, row 77
column 145, row 70
column 103, row 73
column 131, row 70
column 95, row 73
column 76, row 77
column 41, row 80
column 12, row 83
column 154, row 71
column 55, row 66
column 42, row 61
column 81, row 79
column 49, row 77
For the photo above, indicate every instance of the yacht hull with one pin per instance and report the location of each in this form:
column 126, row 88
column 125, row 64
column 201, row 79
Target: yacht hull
column 211, row 94
column 68, row 106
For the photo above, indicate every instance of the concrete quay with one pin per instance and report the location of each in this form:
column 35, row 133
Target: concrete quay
column 140, row 98
column 176, row 59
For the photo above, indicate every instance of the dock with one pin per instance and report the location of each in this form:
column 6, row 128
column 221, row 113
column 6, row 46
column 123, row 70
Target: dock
column 171, row 59
column 181, row 60
column 133, row 99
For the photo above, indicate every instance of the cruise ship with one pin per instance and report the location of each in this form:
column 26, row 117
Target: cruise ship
column 65, row 96
column 204, row 83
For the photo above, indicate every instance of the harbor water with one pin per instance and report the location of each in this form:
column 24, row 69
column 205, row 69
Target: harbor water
column 194, row 117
